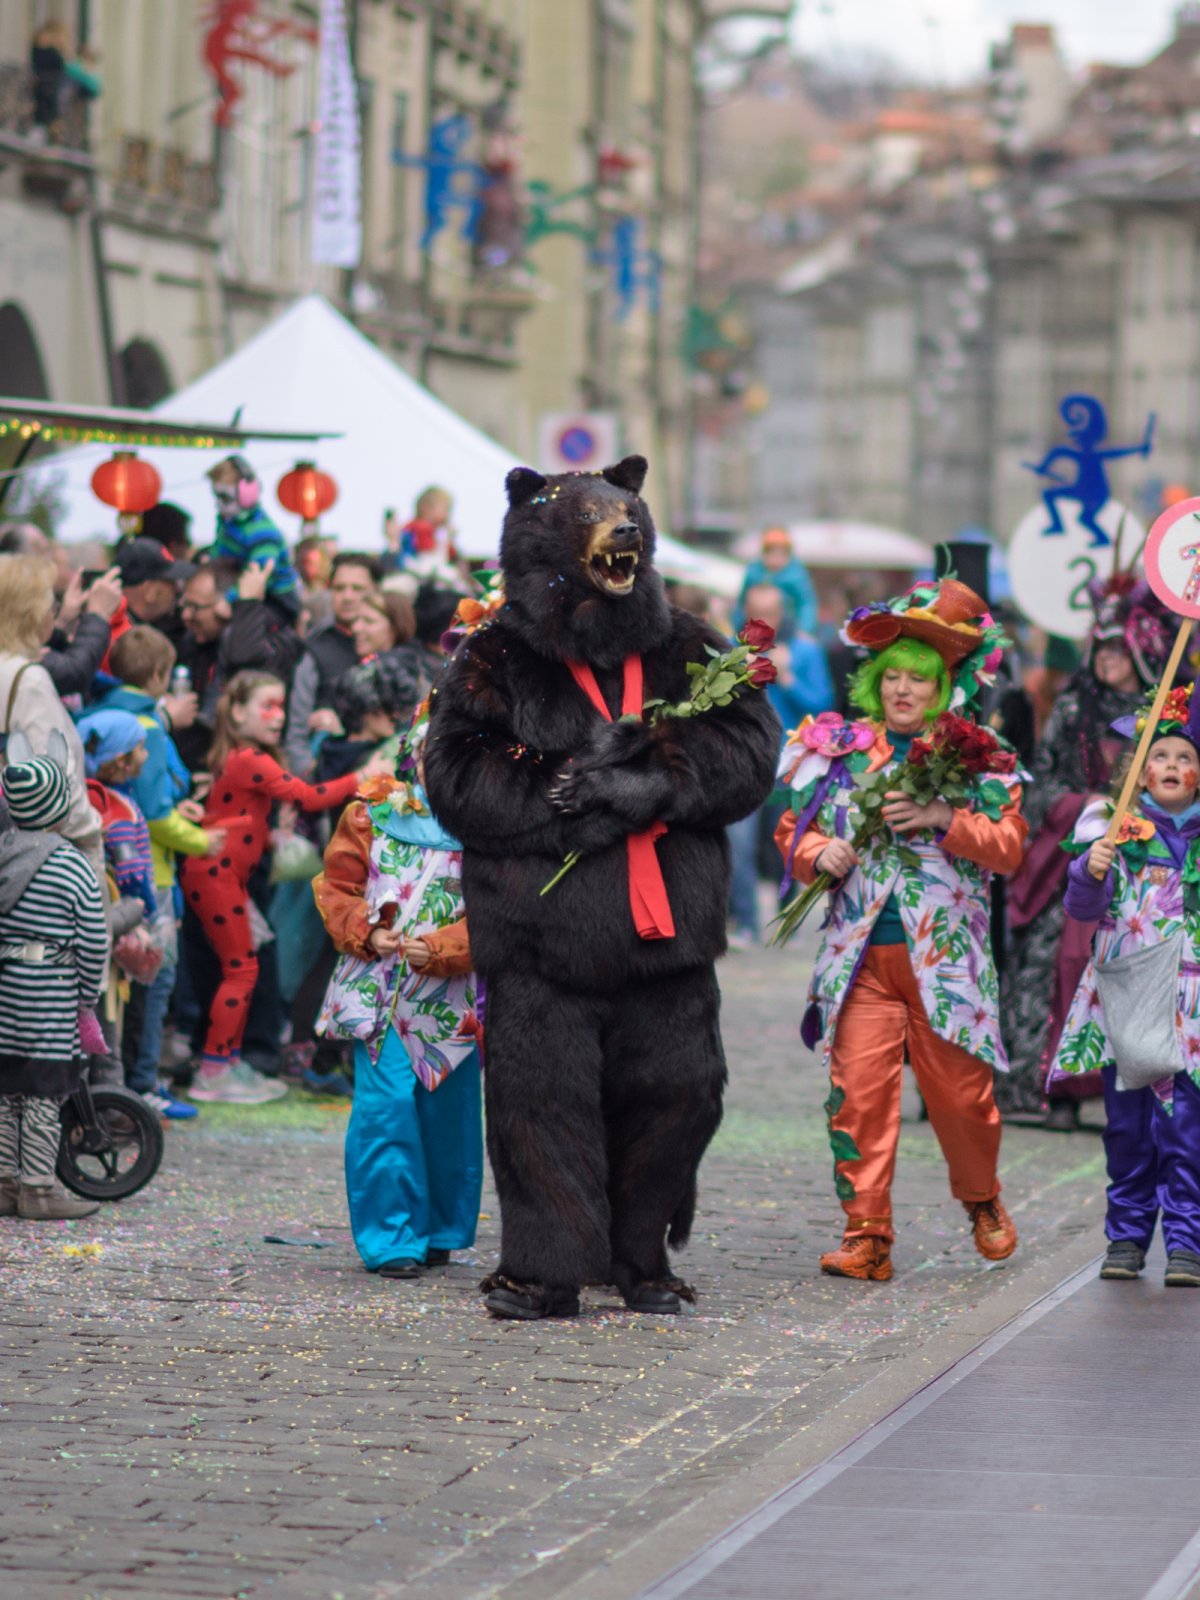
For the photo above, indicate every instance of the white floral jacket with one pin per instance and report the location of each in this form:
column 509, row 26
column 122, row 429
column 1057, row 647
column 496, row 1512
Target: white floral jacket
column 1147, row 905
column 942, row 888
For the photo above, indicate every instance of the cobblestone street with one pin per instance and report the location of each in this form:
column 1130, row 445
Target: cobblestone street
column 191, row 1411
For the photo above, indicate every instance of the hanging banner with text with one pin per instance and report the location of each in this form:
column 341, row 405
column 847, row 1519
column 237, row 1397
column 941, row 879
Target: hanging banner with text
column 337, row 175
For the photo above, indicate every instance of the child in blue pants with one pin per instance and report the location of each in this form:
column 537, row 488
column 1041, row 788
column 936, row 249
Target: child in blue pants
column 405, row 993
column 414, row 1160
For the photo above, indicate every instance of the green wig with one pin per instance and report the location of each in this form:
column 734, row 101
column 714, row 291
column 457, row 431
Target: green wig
column 910, row 655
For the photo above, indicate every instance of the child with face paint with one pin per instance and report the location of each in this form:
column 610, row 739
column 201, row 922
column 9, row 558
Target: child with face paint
column 248, row 781
column 1145, row 891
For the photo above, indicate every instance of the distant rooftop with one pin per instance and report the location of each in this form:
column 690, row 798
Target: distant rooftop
column 1033, row 35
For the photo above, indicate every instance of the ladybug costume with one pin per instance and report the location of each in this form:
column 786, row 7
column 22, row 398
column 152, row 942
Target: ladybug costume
column 240, row 801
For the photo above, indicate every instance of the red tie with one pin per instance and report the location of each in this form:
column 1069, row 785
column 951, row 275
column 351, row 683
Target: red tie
column 647, row 892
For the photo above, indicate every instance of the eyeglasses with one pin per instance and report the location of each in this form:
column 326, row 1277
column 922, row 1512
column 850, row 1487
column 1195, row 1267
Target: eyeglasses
column 198, row 605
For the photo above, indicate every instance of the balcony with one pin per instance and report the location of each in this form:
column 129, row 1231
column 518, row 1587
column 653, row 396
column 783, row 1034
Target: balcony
column 463, row 30
column 53, row 154
column 157, row 184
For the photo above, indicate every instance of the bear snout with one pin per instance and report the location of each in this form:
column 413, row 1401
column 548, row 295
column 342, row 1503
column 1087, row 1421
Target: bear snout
column 625, row 536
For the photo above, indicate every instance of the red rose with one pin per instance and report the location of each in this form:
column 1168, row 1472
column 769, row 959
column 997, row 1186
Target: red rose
column 919, row 752
column 1004, row 761
column 761, row 671
column 758, row 635
column 950, row 729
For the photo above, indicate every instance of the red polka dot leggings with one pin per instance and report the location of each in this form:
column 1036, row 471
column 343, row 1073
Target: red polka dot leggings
column 221, row 901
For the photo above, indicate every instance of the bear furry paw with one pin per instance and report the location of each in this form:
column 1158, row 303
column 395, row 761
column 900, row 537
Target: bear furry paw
column 619, row 768
column 527, row 1302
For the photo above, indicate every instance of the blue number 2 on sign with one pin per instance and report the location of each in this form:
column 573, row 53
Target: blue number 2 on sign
column 576, row 444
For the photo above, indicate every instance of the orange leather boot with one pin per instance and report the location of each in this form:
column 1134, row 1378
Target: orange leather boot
column 859, row 1256
column 995, row 1232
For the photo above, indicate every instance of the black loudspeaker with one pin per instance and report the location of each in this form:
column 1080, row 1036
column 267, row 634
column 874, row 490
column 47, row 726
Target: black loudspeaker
column 967, row 561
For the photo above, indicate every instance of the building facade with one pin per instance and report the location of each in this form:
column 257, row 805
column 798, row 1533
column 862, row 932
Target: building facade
column 913, row 355
column 528, row 174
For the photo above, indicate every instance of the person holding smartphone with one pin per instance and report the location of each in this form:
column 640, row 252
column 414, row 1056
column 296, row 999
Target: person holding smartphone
column 82, row 630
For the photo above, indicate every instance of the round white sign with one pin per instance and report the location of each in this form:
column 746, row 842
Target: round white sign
column 1050, row 572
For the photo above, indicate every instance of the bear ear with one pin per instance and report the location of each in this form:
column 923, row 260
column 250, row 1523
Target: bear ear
column 629, row 474
column 522, row 484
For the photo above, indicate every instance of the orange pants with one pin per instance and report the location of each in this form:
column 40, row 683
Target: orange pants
column 883, row 1012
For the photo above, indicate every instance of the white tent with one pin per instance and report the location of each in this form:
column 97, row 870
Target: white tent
column 311, row 371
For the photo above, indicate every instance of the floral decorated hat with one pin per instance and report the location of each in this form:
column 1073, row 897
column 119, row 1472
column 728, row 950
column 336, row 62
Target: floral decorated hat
column 413, row 740
column 1129, row 613
column 946, row 615
column 1178, row 719
column 475, row 611
column 403, row 792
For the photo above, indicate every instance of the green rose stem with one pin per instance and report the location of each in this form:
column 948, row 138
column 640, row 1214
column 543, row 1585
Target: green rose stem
column 568, row 862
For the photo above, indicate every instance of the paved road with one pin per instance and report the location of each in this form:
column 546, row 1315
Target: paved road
column 194, row 1412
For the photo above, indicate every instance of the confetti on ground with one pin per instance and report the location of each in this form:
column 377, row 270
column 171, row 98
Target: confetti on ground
column 202, row 1412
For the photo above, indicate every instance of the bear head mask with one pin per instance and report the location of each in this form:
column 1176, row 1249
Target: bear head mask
column 577, row 552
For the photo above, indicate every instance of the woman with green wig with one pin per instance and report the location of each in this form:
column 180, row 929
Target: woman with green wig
column 919, row 661
column 905, row 963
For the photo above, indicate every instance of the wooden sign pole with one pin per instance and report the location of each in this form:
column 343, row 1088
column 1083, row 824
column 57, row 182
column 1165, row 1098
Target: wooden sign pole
column 1135, row 768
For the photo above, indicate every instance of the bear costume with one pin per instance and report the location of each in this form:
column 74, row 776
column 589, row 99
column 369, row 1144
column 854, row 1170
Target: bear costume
column 604, row 1064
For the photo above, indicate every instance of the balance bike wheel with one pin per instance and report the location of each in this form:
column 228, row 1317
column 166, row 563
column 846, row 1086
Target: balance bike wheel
column 116, row 1155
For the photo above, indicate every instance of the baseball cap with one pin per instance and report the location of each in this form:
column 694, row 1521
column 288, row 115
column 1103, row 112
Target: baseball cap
column 143, row 560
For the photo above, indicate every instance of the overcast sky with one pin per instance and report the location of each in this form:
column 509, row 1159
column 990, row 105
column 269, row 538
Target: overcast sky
column 948, row 40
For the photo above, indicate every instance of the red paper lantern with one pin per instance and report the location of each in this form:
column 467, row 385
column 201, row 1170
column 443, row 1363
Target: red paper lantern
column 306, row 492
column 126, row 483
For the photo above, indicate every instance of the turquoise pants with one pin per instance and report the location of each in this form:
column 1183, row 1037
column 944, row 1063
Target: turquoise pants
column 414, row 1158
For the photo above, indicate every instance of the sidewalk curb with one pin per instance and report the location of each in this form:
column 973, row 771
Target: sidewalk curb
column 603, row 1572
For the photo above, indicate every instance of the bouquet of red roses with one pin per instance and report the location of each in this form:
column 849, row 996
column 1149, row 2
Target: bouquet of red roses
column 957, row 761
column 715, row 682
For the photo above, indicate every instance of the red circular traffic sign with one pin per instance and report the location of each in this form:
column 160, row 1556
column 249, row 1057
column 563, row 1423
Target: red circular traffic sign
column 1172, row 557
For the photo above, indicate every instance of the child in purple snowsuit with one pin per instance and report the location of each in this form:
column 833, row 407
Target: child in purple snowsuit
column 1145, row 892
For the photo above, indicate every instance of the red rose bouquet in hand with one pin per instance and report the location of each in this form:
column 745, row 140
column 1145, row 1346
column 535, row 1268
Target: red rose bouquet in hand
column 958, row 761
column 715, row 682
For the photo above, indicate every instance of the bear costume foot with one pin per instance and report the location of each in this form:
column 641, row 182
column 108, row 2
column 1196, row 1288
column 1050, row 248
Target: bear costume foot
column 527, row 1302
column 661, row 1297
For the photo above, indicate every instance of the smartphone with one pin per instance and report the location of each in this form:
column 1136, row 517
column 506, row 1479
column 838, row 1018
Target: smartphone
column 90, row 574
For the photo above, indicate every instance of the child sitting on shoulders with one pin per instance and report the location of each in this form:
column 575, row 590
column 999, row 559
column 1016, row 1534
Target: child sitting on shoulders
column 245, row 533
column 404, row 991
column 1144, row 1035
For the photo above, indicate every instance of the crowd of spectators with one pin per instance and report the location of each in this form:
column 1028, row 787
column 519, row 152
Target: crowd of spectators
column 140, row 665
column 148, row 668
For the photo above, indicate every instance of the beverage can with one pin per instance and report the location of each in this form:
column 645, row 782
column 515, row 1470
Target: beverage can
column 181, row 681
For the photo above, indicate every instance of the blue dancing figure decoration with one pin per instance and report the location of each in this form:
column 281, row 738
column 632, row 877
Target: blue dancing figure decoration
column 633, row 268
column 1088, row 428
column 445, row 190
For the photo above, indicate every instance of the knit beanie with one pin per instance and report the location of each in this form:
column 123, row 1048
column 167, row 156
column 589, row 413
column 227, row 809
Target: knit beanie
column 37, row 792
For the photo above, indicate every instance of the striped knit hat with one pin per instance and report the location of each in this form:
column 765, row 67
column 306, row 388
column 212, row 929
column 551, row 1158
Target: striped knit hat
column 37, row 792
